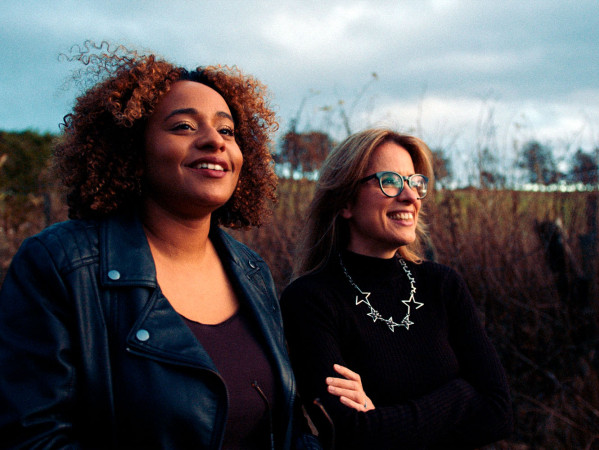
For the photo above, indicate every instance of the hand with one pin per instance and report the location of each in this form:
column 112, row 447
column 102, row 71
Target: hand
column 349, row 389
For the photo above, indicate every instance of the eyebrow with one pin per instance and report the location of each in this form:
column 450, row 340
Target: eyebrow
column 193, row 111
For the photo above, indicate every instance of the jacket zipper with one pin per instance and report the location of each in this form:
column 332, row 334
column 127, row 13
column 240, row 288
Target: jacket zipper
column 223, row 430
column 258, row 389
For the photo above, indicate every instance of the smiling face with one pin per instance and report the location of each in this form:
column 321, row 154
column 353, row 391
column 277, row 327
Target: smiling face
column 379, row 225
column 192, row 161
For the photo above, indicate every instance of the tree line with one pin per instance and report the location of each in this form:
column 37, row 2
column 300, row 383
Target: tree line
column 303, row 153
column 25, row 158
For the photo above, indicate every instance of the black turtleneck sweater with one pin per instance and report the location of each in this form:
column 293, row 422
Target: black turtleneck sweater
column 435, row 384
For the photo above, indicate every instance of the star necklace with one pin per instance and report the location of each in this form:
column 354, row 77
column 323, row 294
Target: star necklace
column 374, row 314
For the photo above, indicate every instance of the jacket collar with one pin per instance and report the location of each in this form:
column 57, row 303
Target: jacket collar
column 126, row 259
column 125, row 256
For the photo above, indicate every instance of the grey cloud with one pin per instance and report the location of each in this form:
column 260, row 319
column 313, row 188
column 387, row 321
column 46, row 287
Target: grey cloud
column 534, row 53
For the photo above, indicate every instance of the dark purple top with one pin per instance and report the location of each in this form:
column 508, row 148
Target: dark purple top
column 237, row 350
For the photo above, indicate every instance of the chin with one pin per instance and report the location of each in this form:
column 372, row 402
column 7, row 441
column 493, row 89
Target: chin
column 407, row 241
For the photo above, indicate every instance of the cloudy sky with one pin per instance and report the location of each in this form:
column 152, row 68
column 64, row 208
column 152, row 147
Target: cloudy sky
column 459, row 73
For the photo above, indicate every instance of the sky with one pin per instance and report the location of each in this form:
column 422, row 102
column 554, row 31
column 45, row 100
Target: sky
column 461, row 74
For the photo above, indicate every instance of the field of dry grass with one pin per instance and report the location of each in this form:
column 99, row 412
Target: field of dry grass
column 530, row 260
column 540, row 304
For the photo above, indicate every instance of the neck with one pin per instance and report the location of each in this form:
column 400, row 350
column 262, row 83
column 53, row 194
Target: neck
column 174, row 236
column 382, row 253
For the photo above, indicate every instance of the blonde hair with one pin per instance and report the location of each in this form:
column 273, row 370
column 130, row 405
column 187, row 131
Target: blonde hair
column 326, row 232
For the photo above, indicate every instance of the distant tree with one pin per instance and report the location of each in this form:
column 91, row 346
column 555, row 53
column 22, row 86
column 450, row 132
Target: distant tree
column 489, row 175
column 26, row 186
column 584, row 167
column 24, row 158
column 304, row 152
column 538, row 161
column 492, row 179
column 441, row 167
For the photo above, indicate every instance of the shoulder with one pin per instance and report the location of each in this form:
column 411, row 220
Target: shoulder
column 70, row 229
column 435, row 280
column 241, row 258
column 313, row 283
column 435, row 271
column 55, row 252
column 73, row 240
column 235, row 248
column 321, row 291
column 438, row 281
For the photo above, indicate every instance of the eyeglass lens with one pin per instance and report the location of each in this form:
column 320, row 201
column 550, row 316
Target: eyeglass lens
column 392, row 184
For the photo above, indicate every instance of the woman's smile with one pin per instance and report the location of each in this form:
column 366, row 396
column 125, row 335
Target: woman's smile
column 211, row 167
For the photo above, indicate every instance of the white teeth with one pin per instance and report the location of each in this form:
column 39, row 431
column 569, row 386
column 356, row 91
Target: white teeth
column 401, row 216
column 210, row 166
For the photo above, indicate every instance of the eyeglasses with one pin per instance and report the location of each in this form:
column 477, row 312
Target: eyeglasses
column 392, row 183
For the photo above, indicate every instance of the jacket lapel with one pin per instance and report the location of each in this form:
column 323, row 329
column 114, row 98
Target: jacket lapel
column 259, row 294
column 158, row 331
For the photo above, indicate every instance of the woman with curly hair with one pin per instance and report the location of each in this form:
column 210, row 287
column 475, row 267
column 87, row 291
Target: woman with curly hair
column 139, row 323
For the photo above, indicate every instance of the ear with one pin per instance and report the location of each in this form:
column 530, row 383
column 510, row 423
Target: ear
column 346, row 212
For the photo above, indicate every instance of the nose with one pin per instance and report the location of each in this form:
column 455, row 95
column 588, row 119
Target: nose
column 209, row 138
column 407, row 194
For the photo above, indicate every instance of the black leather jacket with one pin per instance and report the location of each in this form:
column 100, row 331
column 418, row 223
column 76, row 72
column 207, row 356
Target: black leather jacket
column 92, row 355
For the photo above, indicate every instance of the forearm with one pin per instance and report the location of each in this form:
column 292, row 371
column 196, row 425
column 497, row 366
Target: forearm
column 489, row 418
column 422, row 421
column 455, row 413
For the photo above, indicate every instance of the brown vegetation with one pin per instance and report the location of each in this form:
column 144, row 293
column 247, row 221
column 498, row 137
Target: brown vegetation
column 541, row 316
column 546, row 337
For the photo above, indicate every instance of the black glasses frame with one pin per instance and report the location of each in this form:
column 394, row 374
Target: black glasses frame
column 409, row 179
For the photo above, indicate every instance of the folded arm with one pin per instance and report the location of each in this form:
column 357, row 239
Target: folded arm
column 470, row 409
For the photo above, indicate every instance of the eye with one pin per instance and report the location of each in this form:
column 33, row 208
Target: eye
column 389, row 180
column 182, row 126
column 227, row 131
column 418, row 181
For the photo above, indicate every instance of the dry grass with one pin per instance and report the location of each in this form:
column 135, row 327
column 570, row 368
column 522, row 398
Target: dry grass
column 545, row 332
column 542, row 337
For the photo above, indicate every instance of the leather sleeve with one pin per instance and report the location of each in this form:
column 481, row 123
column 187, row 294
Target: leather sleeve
column 38, row 378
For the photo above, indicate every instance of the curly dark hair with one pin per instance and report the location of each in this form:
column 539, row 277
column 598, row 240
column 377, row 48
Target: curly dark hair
column 100, row 154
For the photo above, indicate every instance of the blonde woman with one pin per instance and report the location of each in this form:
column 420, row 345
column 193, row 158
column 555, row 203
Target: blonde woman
column 389, row 345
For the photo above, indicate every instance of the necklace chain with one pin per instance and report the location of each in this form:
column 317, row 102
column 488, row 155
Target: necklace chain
column 374, row 314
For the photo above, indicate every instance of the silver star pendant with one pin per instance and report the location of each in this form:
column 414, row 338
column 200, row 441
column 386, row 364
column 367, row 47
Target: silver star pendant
column 365, row 300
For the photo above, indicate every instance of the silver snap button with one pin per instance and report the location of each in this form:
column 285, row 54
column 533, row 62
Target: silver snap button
column 142, row 335
column 114, row 275
column 252, row 265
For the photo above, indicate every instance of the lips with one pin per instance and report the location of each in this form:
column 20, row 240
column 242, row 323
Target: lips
column 401, row 215
column 210, row 164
